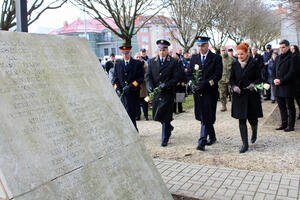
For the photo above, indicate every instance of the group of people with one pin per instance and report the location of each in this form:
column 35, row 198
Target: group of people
column 209, row 75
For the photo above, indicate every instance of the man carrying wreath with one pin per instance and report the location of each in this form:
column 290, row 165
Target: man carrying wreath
column 162, row 76
column 205, row 90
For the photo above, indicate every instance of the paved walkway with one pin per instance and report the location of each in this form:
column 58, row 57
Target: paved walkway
column 217, row 183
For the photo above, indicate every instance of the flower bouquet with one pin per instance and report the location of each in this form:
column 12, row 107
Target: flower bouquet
column 261, row 86
column 151, row 95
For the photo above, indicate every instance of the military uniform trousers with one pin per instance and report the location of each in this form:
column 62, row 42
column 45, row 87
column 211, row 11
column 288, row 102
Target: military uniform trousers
column 129, row 101
column 225, row 90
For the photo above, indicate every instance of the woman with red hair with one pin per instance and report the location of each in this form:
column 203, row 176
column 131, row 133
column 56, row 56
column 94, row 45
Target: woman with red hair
column 246, row 104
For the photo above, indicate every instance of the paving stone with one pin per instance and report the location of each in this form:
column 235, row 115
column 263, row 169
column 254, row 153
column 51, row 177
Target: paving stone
column 252, row 187
column 243, row 187
column 273, row 186
column 186, row 186
column 282, row 192
column 173, row 174
column 259, row 196
column 174, row 188
column 200, row 192
column 177, row 178
column 292, row 193
column 238, row 197
column 230, row 193
column 270, row 197
column 194, row 187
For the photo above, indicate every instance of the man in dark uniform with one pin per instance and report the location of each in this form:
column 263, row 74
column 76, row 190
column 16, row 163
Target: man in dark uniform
column 111, row 63
column 162, row 73
column 283, row 76
column 206, row 90
column 145, row 58
column 128, row 75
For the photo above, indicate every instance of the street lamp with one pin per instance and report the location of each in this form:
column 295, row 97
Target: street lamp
column 21, row 12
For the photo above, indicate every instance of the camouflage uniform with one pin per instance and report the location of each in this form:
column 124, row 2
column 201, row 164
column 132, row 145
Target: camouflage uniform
column 224, row 84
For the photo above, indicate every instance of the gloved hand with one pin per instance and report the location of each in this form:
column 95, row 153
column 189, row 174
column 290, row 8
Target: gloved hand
column 250, row 87
column 162, row 86
column 150, row 89
column 194, row 89
column 126, row 89
column 236, row 89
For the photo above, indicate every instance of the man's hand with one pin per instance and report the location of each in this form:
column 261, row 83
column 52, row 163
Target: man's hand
column 277, row 81
column 162, row 86
column 194, row 89
column 250, row 87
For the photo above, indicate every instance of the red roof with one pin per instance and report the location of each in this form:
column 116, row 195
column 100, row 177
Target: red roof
column 92, row 25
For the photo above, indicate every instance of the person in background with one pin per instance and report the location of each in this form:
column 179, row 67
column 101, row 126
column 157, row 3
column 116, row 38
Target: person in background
column 180, row 87
column 194, row 52
column 283, row 76
column 179, row 54
column 144, row 56
column 266, row 59
column 111, row 63
column 230, row 53
column 246, row 103
column 170, row 52
column 206, row 90
column 162, row 74
column 260, row 61
column 143, row 91
column 128, row 76
column 296, row 53
column 270, row 69
column 224, row 84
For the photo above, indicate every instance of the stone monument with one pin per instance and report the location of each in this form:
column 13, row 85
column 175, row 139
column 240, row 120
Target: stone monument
column 64, row 134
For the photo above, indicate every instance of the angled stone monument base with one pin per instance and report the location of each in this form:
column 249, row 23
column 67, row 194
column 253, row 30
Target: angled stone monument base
column 64, row 134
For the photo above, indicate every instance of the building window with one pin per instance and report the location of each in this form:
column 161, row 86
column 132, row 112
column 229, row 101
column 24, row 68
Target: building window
column 106, row 51
column 113, row 50
column 144, row 30
column 145, row 39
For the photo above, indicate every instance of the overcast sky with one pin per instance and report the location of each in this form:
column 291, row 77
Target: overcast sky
column 53, row 19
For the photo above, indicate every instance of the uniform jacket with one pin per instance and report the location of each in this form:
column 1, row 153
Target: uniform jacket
column 284, row 69
column 247, row 104
column 227, row 63
column 162, row 104
column 123, row 76
column 206, row 100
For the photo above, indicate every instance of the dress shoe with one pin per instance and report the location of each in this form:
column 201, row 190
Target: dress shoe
column 273, row 101
column 267, row 98
column 280, row 128
column 164, row 144
column 146, row 118
column 201, row 147
column 288, row 129
column 210, row 142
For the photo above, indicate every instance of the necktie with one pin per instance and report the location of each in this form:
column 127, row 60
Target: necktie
column 162, row 61
column 203, row 59
column 126, row 63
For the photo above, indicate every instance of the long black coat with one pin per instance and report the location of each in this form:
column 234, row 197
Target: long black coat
column 162, row 104
column 206, row 100
column 297, row 75
column 284, row 69
column 247, row 104
column 123, row 76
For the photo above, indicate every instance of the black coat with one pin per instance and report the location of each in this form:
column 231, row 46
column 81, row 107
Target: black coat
column 126, row 76
column 297, row 75
column 247, row 104
column 284, row 69
column 162, row 104
column 206, row 100
column 264, row 69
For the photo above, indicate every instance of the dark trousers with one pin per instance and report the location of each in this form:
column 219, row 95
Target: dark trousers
column 287, row 111
column 142, row 103
column 166, row 131
column 206, row 130
column 252, row 121
column 179, row 107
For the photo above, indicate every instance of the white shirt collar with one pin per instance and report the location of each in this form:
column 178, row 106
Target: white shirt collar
column 127, row 60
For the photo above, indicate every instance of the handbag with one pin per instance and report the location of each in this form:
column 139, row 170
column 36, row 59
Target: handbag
column 180, row 97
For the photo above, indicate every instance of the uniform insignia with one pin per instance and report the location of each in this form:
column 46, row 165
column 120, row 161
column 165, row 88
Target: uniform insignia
column 162, row 41
column 135, row 83
column 124, row 47
column 211, row 82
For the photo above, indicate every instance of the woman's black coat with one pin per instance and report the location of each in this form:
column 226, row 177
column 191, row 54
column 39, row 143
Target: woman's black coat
column 248, row 103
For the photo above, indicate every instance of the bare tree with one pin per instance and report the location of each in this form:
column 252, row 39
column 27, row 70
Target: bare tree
column 191, row 18
column 35, row 10
column 123, row 13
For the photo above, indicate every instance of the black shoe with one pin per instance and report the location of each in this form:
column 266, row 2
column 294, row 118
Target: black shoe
column 267, row 98
column 164, row 144
column 244, row 148
column 211, row 142
column 298, row 117
column 146, row 118
column 138, row 118
column 201, row 147
column 273, row 101
column 288, row 129
column 280, row 128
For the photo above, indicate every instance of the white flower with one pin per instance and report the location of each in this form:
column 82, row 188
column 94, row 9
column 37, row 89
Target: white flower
column 196, row 67
column 147, row 98
column 190, row 82
column 266, row 86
